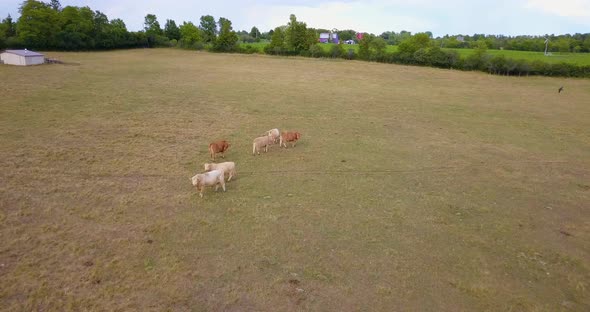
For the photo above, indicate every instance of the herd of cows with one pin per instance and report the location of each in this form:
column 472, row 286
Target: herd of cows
column 215, row 173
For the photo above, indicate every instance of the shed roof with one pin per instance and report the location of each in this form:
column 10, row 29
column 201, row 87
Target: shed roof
column 24, row 52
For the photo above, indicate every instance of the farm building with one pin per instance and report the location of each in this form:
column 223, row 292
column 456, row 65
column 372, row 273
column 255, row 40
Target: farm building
column 328, row 37
column 21, row 57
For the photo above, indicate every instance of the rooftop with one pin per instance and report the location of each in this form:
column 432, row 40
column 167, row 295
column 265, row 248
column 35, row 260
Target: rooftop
column 24, row 52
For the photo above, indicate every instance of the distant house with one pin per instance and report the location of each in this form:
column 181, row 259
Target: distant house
column 329, row 37
column 21, row 57
column 460, row 38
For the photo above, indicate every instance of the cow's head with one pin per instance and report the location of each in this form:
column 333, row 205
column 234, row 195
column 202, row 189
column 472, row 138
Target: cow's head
column 195, row 180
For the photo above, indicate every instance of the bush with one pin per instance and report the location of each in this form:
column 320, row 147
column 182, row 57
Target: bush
column 497, row 64
column 277, row 50
column 316, row 51
column 199, row 45
column 350, row 54
column 248, row 49
column 477, row 61
column 336, row 51
column 522, row 67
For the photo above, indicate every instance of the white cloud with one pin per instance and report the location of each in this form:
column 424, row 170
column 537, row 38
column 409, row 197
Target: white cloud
column 564, row 8
column 375, row 16
column 510, row 17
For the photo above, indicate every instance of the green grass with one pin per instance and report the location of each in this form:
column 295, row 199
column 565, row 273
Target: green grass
column 412, row 188
column 258, row 45
column 575, row 58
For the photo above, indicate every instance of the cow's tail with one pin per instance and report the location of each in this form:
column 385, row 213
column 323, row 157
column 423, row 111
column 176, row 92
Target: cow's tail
column 254, row 148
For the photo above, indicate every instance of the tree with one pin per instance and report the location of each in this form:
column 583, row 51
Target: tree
column 227, row 39
column 297, row 37
column 277, row 42
column 414, row 43
column 101, row 32
column 190, row 35
column 54, row 4
column 209, row 28
column 255, row 33
column 38, row 25
column 364, row 47
column 7, row 27
column 171, row 30
column 152, row 30
column 563, row 44
column 77, row 26
column 372, row 48
column 479, row 58
column 151, row 25
column 117, row 32
column 348, row 34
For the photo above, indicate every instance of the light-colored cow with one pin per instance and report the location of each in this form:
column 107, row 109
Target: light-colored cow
column 214, row 177
column 274, row 134
column 228, row 167
column 259, row 143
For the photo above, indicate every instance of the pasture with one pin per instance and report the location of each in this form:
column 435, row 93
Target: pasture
column 580, row 59
column 411, row 189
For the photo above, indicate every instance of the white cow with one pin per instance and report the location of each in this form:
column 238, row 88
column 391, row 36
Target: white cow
column 274, row 134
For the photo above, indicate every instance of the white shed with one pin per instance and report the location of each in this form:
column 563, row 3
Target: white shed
column 22, row 57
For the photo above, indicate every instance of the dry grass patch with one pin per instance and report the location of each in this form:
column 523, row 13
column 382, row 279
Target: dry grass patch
column 410, row 189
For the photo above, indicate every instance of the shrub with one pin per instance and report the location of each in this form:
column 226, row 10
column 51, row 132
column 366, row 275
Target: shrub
column 248, row 49
column 336, row 51
column 316, row 51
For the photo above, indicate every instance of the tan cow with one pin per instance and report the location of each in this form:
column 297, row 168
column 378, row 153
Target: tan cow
column 259, row 143
column 228, row 167
column 214, row 177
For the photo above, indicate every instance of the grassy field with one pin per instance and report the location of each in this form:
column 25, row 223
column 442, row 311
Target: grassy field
column 412, row 189
column 576, row 58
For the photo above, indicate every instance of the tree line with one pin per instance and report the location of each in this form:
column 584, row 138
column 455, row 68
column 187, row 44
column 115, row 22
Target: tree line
column 49, row 26
column 296, row 38
column 420, row 49
column 556, row 43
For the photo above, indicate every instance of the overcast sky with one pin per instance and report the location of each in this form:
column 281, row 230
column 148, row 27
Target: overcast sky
column 509, row 17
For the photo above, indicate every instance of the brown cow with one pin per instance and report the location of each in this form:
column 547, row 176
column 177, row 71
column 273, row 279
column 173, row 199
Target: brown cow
column 218, row 147
column 289, row 137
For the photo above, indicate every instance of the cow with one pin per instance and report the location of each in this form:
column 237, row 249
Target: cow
column 289, row 137
column 214, row 177
column 260, row 142
column 218, row 147
column 274, row 134
column 228, row 167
